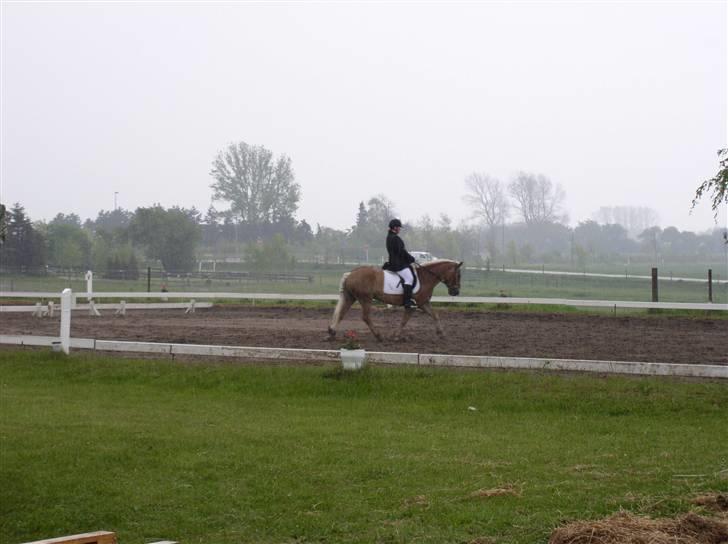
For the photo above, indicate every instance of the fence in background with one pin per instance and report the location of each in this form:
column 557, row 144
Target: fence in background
column 295, row 296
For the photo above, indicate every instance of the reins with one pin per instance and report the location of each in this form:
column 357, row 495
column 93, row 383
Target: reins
column 426, row 269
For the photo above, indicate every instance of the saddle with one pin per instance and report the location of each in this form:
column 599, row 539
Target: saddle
column 393, row 282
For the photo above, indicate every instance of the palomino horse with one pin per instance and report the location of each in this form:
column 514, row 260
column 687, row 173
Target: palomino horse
column 366, row 283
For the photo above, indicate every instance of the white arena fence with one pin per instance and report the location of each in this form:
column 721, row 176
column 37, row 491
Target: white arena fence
column 293, row 296
column 64, row 343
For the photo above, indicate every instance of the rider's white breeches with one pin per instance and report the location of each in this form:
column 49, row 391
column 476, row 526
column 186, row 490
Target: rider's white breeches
column 406, row 275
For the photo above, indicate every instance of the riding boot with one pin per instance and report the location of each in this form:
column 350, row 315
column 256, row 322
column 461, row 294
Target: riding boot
column 409, row 302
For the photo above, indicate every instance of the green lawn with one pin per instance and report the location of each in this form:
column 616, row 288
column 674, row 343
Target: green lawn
column 233, row 453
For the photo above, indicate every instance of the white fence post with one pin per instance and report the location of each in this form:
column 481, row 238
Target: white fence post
column 89, row 285
column 66, row 301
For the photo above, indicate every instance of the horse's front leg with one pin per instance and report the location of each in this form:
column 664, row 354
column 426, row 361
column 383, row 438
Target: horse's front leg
column 366, row 307
column 405, row 318
column 427, row 308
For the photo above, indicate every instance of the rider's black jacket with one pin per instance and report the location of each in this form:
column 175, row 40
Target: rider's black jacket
column 399, row 258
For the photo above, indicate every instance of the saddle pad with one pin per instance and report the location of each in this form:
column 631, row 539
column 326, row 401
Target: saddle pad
column 393, row 285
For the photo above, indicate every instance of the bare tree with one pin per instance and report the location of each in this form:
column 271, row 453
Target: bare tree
column 487, row 197
column 537, row 198
column 633, row 218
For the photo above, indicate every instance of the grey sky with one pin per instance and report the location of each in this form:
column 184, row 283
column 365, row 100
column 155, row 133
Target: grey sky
column 621, row 103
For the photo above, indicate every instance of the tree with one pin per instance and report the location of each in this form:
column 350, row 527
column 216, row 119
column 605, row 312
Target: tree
column 651, row 239
column 537, row 198
column 270, row 256
column 3, row 226
column 110, row 221
column 487, row 198
column 168, row 235
column 260, row 188
column 303, row 233
column 24, row 245
column 362, row 217
column 718, row 185
column 380, row 210
column 367, row 236
column 633, row 218
column 70, row 219
column 69, row 245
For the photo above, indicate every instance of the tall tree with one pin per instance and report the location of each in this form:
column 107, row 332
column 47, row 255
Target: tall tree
column 260, row 188
column 487, row 198
column 69, row 245
column 168, row 235
column 362, row 217
column 3, row 225
column 537, row 198
column 24, row 245
column 379, row 212
column 717, row 185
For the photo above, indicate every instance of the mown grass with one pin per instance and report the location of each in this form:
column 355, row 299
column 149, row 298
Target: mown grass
column 239, row 453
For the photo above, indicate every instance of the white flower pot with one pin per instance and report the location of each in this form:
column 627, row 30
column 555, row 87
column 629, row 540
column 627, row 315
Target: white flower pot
column 352, row 359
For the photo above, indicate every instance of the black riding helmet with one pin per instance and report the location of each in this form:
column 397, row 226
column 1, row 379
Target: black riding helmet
column 395, row 223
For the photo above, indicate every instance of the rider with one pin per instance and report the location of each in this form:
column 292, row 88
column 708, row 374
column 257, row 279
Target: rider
column 399, row 261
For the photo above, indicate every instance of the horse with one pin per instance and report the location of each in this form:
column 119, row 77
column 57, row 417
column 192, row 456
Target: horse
column 366, row 283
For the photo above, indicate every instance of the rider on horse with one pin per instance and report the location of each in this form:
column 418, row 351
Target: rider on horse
column 399, row 261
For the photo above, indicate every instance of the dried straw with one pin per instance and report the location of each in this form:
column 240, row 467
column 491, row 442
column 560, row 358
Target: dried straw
column 625, row 528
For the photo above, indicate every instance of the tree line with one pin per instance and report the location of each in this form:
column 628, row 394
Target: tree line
column 514, row 223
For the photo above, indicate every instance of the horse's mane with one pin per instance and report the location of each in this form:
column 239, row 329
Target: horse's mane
column 438, row 261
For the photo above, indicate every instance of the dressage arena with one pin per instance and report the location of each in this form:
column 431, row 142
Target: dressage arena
column 662, row 339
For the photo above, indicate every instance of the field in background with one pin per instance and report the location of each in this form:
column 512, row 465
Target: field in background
column 322, row 279
column 224, row 453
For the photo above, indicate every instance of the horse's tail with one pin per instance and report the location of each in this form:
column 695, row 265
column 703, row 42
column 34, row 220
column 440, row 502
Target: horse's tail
column 345, row 301
column 343, row 281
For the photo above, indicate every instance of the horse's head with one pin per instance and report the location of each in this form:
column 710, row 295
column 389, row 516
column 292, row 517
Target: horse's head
column 452, row 279
column 448, row 272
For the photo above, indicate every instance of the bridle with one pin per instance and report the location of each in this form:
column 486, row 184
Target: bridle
column 450, row 288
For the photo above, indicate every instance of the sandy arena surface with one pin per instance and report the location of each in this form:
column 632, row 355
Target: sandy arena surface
column 560, row 336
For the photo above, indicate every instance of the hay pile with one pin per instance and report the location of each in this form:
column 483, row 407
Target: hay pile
column 625, row 528
column 715, row 502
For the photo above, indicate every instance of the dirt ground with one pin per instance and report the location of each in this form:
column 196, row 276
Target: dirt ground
column 559, row 336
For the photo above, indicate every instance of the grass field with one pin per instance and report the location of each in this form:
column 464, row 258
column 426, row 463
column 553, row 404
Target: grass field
column 239, row 453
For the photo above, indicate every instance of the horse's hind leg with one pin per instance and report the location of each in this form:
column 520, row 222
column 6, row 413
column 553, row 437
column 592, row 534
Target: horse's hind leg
column 427, row 308
column 405, row 318
column 366, row 307
column 342, row 306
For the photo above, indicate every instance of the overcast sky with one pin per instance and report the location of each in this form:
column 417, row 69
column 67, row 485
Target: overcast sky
column 622, row 103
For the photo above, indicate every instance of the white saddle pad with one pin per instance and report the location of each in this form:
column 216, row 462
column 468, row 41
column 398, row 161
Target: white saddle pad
column 393, row 283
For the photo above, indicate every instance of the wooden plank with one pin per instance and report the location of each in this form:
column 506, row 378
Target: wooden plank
column 98, row 537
